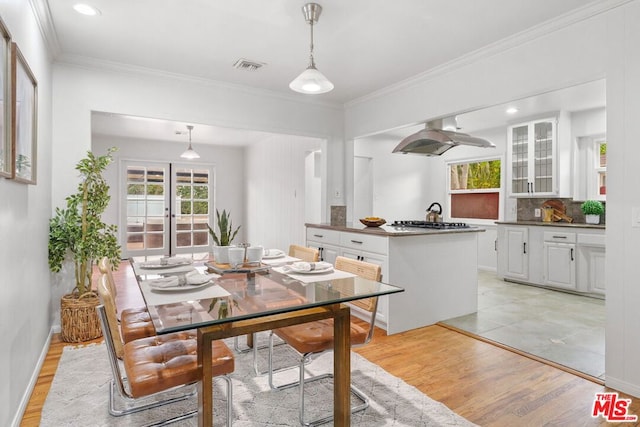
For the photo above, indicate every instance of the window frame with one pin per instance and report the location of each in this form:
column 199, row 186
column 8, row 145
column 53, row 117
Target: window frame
column 597, row 169
column 500, row 190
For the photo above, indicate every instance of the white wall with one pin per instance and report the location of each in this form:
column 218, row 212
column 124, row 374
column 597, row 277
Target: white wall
column 602, row 45
column 275, row 185
column 25, row 288
column 623, row 239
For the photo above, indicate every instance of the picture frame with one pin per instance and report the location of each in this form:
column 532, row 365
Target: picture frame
column 6, row 151
column 24, row 118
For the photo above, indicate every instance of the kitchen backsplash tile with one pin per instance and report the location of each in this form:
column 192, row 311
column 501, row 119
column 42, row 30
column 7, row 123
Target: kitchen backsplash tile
column 527, row 206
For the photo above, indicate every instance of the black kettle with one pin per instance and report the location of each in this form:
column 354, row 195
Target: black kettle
column 432, row 214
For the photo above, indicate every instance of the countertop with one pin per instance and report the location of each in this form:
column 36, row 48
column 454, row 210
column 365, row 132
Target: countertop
column 391, row 231
column 554, row 224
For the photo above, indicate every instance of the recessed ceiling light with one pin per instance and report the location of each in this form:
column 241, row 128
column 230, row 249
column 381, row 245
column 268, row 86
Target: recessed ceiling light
column 85, row 9
column 512, row 110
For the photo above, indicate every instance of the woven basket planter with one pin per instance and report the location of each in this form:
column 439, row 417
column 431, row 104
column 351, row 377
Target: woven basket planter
column 79, row 318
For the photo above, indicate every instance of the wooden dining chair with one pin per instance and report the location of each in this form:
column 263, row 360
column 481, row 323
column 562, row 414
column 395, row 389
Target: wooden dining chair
column 313, row 338
column 135, row 322
column 156, row 365
column 304, row 253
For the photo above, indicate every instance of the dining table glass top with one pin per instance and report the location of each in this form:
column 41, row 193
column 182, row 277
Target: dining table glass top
column 182, row 297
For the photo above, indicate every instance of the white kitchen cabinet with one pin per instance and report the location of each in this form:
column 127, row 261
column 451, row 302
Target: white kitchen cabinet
column 560, row 259
column 560, row 265
column 531, row 158
column 591, row 257
column 566, row 258
column 513, row 255
column 326, row 241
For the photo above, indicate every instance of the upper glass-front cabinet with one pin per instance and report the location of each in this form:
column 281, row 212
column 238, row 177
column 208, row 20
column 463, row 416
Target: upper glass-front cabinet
column 532, row 148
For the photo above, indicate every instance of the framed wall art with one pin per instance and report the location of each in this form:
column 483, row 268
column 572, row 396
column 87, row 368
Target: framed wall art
column 25, row 118
column 6, row 153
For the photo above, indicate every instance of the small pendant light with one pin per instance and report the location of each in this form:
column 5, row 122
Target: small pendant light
column 311, row 81
column 190, row 153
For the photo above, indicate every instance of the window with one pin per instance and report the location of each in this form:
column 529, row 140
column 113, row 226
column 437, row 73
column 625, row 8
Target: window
column 475, row 190
column 601, row 167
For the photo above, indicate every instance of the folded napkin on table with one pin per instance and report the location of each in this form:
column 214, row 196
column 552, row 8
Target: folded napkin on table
column 197, row 278
column 169, row 261
column 165, row 282
column 307, row 266
column 272, row 252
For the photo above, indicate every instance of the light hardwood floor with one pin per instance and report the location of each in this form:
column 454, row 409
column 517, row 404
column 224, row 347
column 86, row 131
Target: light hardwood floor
column 486, row 384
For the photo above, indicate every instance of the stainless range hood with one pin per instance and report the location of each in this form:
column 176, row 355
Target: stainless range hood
column 437, row 137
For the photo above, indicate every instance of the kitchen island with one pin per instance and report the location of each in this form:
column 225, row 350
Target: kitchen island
column 437, row 268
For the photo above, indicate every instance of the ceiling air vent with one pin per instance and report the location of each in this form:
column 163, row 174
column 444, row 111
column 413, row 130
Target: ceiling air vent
column 245, row 64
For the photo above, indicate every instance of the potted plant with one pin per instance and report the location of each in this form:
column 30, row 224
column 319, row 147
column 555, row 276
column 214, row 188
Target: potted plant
column 78, row 232
column 224, row 237
column 592, row 209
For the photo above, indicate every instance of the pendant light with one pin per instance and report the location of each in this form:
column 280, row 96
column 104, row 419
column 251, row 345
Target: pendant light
column 311, row 81
column 190, row 153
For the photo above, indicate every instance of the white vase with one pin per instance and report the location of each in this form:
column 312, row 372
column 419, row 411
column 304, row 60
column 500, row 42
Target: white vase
column 221, row 254
column 592, row 219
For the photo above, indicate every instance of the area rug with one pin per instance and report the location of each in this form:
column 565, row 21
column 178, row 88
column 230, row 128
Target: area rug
column 79, row 396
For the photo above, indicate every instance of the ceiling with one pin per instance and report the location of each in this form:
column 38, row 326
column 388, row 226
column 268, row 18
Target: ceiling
column 362, row 46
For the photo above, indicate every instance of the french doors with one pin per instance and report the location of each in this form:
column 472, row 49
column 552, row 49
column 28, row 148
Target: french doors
column 166, row 208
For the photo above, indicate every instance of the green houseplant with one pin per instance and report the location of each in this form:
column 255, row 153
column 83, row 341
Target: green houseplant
column 592, row 209
column 78, row 232
column 224, row 237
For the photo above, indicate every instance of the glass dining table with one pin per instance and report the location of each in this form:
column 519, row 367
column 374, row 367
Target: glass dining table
column 243, row 302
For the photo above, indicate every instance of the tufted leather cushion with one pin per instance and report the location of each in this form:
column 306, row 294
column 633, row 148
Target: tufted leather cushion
column 135, row 323
column 157, row 363
column 317, row 336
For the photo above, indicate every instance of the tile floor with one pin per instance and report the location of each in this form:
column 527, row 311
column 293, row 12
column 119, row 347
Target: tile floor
column 564, row 328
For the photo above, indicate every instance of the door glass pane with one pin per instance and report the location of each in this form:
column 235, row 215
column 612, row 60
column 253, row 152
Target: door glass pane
column 192, row 207
column 145, row 207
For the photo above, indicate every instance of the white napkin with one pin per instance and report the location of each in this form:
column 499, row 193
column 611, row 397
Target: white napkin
column 307, row 266
column 169, row 261
column 197, row 278
column 272, row 252
column 165, row 282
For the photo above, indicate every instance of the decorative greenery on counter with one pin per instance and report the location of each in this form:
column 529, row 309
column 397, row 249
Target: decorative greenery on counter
column 225, row 226
column 592, row 207
column 79, row 229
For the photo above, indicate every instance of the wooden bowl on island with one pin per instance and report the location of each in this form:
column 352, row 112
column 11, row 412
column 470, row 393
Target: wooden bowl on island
column 373, row 221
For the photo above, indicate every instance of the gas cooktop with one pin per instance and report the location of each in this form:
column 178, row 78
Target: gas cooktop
column 427, row 224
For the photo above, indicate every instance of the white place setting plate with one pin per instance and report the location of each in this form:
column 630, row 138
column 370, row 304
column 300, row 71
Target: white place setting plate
column 273, row 253
column 180, row 288
column 305, row 268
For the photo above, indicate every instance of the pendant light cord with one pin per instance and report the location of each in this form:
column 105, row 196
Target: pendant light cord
column 312, row 63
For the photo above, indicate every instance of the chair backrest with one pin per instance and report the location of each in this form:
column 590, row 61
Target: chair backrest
column 109, row 303
column 369, row 271
column 304, row 253
column 363, row 269
column 104, row 266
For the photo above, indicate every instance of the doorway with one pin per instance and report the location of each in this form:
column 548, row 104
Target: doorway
column 167, row 207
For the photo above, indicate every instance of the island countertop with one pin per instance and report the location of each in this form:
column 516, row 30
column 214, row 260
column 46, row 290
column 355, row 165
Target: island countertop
column 393, row 231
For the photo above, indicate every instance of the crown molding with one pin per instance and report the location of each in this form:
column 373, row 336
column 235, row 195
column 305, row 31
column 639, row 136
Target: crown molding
column 45, row 22
column 118, row 67
column 562, row 21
